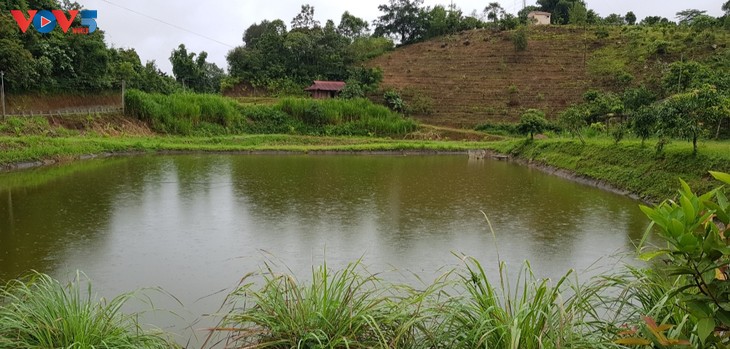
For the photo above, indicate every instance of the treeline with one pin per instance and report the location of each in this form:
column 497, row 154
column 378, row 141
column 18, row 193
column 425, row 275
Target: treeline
column 66, row 62
column 283, row 59
column 278, row 57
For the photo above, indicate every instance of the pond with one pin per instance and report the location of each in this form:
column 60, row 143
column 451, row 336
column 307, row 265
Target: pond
column 193, row 225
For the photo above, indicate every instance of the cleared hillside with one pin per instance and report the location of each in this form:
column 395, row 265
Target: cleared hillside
column 477, row 76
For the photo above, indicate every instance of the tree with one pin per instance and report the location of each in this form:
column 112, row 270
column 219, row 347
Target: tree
column 654, row 20
column 643, row 122
column 559, row 8
column 726, row 8
column 578, row 14
column 614, row 19
column 630, row 18
column 522, row 14
column 690, row 115
column 194, row 72
column 305, row 18
column 401, row 19
column 532, row 121
column 574, row 119
column 683, row 76
column 494, row 11
column 352, row 27
column 686, row 17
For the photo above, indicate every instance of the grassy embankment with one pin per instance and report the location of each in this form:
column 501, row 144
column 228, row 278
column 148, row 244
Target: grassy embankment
column 629, row 165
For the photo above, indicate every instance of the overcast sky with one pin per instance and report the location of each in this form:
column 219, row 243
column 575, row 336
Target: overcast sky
column 224, row 21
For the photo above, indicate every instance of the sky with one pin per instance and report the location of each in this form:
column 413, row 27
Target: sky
column 155, row 27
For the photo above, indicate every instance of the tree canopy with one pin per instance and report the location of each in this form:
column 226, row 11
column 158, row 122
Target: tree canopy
column 60, row 61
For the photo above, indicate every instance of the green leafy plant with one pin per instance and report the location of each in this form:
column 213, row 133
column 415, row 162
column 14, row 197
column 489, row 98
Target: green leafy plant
column 696, row 228
column 394, row 101
column 574, row 119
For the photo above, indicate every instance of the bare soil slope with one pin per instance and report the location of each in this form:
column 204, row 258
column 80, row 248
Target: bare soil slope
column 477, row 76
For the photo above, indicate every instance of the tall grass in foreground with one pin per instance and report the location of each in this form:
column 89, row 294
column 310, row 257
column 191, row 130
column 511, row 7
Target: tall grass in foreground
column 493, row 314
column 39, row 312
column 342, row 309
column 462, row 309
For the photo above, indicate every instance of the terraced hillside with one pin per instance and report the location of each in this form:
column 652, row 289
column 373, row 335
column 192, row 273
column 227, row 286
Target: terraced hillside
column 476, row 76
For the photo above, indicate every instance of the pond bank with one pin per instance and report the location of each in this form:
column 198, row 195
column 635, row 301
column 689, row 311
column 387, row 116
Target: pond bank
column 626, row 168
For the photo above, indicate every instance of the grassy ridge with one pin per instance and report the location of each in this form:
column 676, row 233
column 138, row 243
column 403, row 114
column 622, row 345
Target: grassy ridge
column 38, row 148
column 628, row 165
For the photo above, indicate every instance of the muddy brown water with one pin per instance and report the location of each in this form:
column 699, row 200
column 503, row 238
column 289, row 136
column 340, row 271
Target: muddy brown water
column 192, row 225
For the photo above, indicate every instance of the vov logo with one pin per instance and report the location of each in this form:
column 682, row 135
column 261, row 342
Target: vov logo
column 45, row 21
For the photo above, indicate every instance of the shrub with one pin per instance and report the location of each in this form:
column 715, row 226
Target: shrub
column 503, row 129
column 394, row 101
column 695, row 229
column 519, row 38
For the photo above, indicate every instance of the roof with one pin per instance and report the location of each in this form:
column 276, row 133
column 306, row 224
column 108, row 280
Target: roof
column 326, row 86
column 539, row 13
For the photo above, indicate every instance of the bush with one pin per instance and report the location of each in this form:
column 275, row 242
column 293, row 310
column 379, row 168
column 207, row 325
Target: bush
column 519, row 39
column 394, row 101
column 694, row 228
column 502, row 129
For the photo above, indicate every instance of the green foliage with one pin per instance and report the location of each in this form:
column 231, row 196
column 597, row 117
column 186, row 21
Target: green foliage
column 401, row 19
column 58, row 61
column 618, row 133
column 183, row 114
column 690, row 115
column 695, row 229
column 191, row 114
column 352, row 89
column 40, row 312
column 194, row 72
column 394, row 101
column 532, row 122
column 345, row 117
column 635, row 98
column 578, row 14
column 682, row 76
column 643, row 122
column 519, row 39
column 574, row 119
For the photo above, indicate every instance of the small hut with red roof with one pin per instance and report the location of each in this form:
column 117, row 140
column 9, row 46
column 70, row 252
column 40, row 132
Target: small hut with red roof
column 325, row 89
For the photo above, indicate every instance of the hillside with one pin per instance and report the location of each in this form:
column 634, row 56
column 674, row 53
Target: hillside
column 477, row 76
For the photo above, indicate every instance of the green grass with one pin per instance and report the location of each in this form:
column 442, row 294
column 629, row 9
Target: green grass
column 337, row 309
column 37, row 148
column 352, row 308
column 628, row 165
column 207, row 115
column 39, row 312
